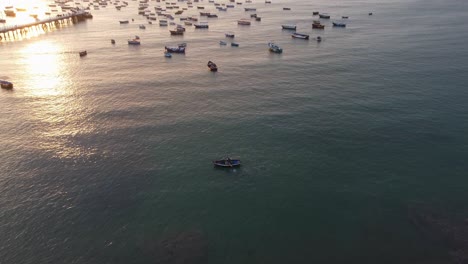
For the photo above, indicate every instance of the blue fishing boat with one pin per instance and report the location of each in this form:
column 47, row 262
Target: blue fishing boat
column 227, row 163
column 6, row 84
column 339, row 24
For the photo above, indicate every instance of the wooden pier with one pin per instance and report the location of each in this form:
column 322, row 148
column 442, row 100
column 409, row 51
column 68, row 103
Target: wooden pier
column 14, row 31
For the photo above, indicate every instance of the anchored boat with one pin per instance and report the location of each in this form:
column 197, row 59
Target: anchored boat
column 227, row 163
column 300, row 36
column 6, row 84
column 212, row 66
column 274, row 48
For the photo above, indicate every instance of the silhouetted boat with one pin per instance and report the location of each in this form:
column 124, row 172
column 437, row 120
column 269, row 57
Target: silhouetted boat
column 212, row 66
column 227, row 163
column 6, row 84
column 175, row 49
column 289, row 27
column 339, row 24
column 83, row 53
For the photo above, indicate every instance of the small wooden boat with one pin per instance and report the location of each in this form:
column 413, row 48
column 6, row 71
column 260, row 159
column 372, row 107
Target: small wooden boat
column 188, row 23
column 212, row 15
column 339, row 24
column 212, row 66
column 318, row 26
column 344, row 17
column 183, row 44
column 175, row 49
column 113, row 41
column 253, row 15
column 300, row 36
column 123, row 21
column 289, row 27
column 6, row 85
column 243, row 22
column 227, row 163
column 83, row 53
column 286, row 8
column 258, row 19
column 315, row 13
column 229, row 35
column 250, row 9
column 274, row 48
column 133, row 42
column 176, row 32
column 222, row 43
column 324, row 16
column 234, row 44
column 370, row 14
column 267, row 2
column 179, row 12
column 201, row 25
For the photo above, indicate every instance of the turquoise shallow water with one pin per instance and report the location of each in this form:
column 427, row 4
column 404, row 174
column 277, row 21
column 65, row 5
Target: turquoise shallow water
column 107, row 158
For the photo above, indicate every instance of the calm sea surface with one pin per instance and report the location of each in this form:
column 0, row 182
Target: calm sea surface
column 107, row 158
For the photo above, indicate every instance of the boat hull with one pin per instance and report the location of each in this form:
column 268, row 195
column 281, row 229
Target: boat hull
column 175, row 49
column 6, row 85
column 227, row 164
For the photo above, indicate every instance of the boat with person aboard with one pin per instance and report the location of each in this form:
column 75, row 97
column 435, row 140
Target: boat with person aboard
column 134, row 41
column 227, row 163
column 317, row 25
column 339, row 24
column 274, row 48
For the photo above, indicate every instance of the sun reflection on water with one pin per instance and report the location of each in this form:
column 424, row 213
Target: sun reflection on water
column 56, row 108
column 43, row 63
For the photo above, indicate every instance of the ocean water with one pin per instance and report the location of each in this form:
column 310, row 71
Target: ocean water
column 107, row 158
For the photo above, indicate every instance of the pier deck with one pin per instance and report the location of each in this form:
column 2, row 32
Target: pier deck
column 12, row 30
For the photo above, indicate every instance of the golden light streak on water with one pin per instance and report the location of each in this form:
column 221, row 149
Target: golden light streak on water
column 54, row 106
column 43, row 64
